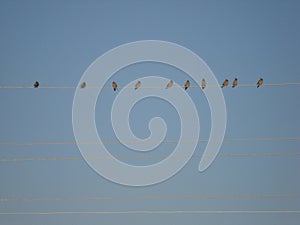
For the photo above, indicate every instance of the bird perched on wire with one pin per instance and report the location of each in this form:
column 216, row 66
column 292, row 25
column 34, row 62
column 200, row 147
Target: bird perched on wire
column 203, row 84
column 36, row 84
column 83, row 85
column 114, row 85
column 225, row 83
column 235, row 82
column 187, row 84
column 259, row 82
column 170, row 84
column 137, row 85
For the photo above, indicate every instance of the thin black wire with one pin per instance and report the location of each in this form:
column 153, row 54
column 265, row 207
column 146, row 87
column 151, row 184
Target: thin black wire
column 164, row 141
column 143, row 86
column 155, row 212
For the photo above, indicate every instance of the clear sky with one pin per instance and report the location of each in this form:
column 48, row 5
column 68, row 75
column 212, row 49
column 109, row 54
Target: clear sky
column 55, row 41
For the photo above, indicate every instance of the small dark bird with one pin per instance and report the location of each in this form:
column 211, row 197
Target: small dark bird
column 225, row 83
column 235, row 82
column 83, row 85
column 259, row 82
column 114, row 85
column 203, row 83
column 36, row 84
column 170, row 84
column 137, row 85
column 187, row 84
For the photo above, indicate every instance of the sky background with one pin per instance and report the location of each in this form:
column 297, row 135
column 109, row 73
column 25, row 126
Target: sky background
column 55, row 42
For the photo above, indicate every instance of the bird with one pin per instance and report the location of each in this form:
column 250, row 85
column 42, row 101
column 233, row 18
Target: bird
column 203, row 83
column 225, row 83
column 137, row 85
column 36, row 84
column 187, row 84
column 170, row 84
column 259, row 82
column 83, row 85
column 114, row 85
column 235, row 82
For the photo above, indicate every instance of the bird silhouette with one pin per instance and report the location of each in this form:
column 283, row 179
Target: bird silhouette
column 187, row 84
column 83, row 85
column 36, row 84
column 259, row 82
column 137, row 85
column 203, row 83
column 235, row 82
column 225, row 83
column 170, row 84
column 114, row 85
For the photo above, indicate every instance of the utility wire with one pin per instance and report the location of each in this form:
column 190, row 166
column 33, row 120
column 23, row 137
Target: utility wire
column 120, row 198
column 150, row 157
column 155, row 212
column 143, row 86
column 164, row 141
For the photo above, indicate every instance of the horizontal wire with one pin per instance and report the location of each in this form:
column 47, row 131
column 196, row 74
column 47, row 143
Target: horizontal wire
column 120, row 87
column 151, row 197
column 164, row 141
column 151, row 157
column 156, row 212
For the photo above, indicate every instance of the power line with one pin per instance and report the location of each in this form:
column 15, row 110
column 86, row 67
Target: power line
column 156, row 212
column 143, row 86
column 41, row 87
column 164, row 141
column 150, row 157
column 151, row 197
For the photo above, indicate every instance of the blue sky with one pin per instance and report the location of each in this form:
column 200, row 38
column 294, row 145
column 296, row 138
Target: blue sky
column 54, row 43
